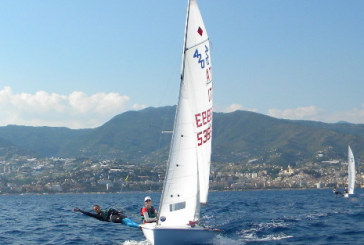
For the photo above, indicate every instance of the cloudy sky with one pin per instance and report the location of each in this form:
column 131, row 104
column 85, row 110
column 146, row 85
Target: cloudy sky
column 79, row 63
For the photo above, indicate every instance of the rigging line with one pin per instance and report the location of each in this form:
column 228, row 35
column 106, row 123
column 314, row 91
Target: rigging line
column 186, row 49
column 132, row 215
column 129, row 214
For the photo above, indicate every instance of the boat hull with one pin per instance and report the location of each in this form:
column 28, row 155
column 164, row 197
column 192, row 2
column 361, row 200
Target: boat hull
column 157, row 235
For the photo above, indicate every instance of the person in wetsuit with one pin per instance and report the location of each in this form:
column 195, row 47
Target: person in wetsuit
column 336, row 191
column 108, row 215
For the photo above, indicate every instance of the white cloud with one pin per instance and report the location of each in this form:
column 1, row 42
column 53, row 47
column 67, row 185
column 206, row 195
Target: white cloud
column 235, row 107
column 306, row 113
column 139, row 107
column 76, row 110
column 353, row 115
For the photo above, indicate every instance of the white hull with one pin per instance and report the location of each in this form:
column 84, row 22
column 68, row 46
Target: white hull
column 346, row 195
column 177, row 236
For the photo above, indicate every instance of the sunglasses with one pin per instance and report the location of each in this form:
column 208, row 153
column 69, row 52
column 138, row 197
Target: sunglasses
column 148, row 200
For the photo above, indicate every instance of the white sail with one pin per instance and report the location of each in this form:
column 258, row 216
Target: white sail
column 197, row 77
column 351, row 171
column 187, row 177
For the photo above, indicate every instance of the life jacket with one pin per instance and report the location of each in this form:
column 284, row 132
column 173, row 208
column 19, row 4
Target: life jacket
column 105, row 214
column 151, row 213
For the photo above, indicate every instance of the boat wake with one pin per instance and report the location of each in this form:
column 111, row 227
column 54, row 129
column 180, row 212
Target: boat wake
column 271, row 231
column 132, row 242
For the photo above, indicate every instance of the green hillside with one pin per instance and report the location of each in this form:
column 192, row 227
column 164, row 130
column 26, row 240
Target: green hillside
column 136, row 137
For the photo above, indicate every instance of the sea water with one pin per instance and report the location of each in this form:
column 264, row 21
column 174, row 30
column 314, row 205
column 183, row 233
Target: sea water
column 245, row 217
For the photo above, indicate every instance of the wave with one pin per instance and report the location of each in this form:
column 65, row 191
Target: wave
column 222, row 240
column 268, row 231
column 132, row 242
column 270, row 237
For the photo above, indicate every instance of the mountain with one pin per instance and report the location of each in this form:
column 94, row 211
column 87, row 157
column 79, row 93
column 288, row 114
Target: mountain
column 281, row 141
column 8, row 149
column 40, row 141
column 136, row 137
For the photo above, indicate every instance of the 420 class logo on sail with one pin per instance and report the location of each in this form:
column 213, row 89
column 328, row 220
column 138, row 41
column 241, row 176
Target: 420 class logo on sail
column 204, row 62
column 199, row 57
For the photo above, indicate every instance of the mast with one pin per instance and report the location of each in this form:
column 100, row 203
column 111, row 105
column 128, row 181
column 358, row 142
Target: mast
column 185, row 39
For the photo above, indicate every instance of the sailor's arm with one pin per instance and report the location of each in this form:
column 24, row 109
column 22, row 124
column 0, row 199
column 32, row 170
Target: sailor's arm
column 96, row 216
column 147, row 218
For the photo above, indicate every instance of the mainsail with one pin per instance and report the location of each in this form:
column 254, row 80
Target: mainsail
column 187, row 178
column 351, row 171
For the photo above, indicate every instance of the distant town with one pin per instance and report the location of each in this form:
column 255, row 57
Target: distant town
column 62, row 175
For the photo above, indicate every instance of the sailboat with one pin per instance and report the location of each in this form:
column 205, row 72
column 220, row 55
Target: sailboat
column 186, row 183
column 351, row 173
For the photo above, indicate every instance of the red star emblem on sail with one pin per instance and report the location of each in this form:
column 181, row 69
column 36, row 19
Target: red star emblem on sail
column 200, row 31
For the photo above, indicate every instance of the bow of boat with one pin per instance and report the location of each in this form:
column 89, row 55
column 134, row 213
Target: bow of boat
column 158, row 235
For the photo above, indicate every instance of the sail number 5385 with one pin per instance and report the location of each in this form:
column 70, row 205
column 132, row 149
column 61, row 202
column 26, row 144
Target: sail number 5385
column 204, row 136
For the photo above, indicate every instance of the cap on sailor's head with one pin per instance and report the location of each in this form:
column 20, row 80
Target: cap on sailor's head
column 147, row 198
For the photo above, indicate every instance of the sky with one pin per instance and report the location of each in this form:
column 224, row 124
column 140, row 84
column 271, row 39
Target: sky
column 77, row 64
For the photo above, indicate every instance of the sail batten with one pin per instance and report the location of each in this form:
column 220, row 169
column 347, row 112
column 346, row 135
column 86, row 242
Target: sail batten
column 194, row 46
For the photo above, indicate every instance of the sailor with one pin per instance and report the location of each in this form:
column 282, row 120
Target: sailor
column 148, row 212
column 336, row 191
column 108, row 215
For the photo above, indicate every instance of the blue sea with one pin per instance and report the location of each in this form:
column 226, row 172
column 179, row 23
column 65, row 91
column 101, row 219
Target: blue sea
column 246, row 217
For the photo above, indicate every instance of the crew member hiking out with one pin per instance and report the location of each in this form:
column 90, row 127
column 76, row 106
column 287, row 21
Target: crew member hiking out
column 108, row 215
column 148, row 212
column 335, row 191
